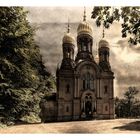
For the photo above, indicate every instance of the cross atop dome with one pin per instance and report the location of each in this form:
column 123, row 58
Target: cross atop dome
column 103, row 35
column 68, row 26
column 103, row 32
column 84, row 17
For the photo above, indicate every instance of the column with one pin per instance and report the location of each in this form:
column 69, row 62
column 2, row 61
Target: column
column 77, row 88
column 74, row 86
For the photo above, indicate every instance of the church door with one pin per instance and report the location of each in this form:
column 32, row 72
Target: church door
column 88, row 109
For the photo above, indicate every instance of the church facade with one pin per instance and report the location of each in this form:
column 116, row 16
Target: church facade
column 85, row 87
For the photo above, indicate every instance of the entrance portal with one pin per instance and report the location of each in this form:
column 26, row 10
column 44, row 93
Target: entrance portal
column 88, row 109
column 87, row 106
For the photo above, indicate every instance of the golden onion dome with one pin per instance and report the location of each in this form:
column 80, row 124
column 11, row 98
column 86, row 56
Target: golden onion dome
column 103, row 43
column 84, row 28
column 68, row 38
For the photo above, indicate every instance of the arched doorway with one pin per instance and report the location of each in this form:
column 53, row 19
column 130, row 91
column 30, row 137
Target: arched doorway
column 88, row 108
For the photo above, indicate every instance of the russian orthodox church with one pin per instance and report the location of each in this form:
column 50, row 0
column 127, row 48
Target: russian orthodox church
column 84, row 85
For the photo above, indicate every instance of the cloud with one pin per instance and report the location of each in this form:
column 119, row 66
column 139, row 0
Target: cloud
column 125, row 64
column 57, row 14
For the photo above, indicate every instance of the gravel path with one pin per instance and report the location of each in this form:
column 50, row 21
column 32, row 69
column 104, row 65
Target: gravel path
column 94, row 126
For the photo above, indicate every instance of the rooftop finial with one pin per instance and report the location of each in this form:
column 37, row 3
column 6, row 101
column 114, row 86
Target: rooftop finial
column 68, row 26
column 103, row 32
column 96, row 49
column 84, row 17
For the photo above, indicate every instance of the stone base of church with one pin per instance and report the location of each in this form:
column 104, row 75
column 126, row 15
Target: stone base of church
column 78, row 118
column 64, row 118
column 105, row 116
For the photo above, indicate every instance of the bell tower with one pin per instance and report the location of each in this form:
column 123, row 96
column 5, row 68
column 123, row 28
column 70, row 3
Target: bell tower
column 104, row 54
column 65, row 81
column 68, row 45
column 84, row 40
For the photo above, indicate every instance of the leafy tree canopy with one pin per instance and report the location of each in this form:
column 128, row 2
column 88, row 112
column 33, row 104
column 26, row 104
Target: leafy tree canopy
column 129, row 17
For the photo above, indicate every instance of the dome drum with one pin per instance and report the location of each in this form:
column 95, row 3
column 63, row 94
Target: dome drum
column 103, row 49
column 84, row 37
column 68, row 45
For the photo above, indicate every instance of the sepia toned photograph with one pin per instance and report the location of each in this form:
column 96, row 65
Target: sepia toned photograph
column 70, row 70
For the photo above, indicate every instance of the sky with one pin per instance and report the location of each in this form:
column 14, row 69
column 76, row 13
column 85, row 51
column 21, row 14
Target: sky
column 51, row 25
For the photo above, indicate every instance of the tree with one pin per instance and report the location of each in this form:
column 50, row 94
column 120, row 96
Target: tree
column 129, row 105
column 130, row 96
column 23, row 77
column 120, row 107
column 128, row 16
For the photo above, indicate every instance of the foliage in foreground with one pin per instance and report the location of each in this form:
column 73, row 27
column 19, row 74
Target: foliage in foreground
column 23, row 77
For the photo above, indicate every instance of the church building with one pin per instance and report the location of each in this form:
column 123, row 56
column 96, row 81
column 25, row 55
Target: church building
column 85, row 87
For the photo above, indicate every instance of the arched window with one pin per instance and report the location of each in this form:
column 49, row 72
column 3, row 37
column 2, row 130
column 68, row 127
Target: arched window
column 69, row 53
column 88, row 81
column 84, row 47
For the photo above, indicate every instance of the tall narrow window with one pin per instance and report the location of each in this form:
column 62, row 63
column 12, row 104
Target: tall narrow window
column 67, row 88
column 67, row 109
column 84, row 84
column 84, row 81
column 68, row 55
column 69, row 52
column 88, row 80
column 91, row 82
column 105, row 89
column 106, row 56
column 84, row 48
column 106, row 108
column 89, row 47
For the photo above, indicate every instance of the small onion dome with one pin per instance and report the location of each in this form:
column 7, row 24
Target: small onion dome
column 68, row 38
column 84, row 28
column 103, row 43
